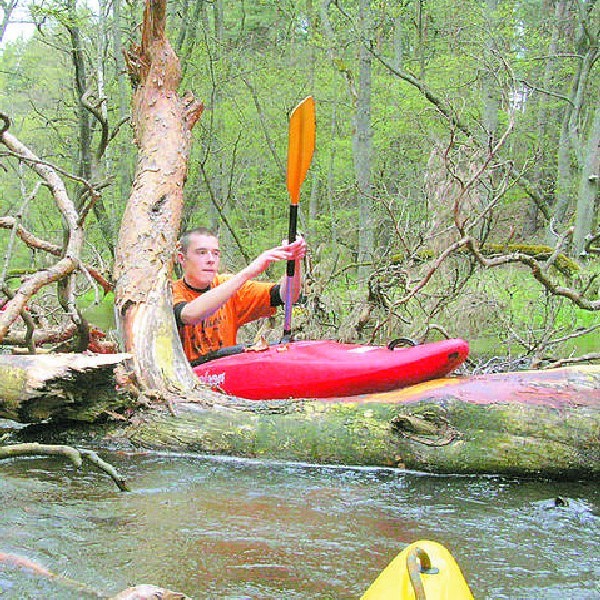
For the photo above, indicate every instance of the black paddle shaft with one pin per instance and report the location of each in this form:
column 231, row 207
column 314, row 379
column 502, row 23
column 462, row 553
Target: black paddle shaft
column 291, row 264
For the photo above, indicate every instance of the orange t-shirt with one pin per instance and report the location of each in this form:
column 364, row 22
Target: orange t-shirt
column 252, row 301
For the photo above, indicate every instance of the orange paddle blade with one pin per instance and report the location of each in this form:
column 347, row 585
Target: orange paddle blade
column 301, row 146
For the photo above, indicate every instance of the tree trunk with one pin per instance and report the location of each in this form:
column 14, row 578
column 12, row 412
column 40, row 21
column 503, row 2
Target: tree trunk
column 121, row 156
column 585, row 221
column 490, row 92
column 7, row 9
column 564, row 188
column 545, row 116
column 88, row 162
column 421, row 40
column 542, row 423
column 329, row 36
column 532, row 423
column 570, row 145
column 398, row 42
column 162, row 123
column 334, row 237
column 313, row 203
column 363, row 145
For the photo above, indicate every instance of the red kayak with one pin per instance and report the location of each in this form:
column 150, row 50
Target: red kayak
column 328, row 369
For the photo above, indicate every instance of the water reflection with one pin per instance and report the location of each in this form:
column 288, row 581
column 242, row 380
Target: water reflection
column 233, row 529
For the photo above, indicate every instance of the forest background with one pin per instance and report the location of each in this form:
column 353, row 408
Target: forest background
column 454, row 189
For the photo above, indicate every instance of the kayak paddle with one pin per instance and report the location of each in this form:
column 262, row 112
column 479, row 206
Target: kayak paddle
column 301, row 147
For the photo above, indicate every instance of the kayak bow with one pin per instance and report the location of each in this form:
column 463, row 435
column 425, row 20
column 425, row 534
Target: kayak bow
column 423, row 571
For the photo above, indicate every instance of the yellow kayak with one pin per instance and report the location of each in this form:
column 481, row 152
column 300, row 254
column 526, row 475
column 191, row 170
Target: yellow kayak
column 423, row 571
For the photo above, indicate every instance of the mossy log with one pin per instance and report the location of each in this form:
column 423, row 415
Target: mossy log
column 536, row 423
column 35, row 387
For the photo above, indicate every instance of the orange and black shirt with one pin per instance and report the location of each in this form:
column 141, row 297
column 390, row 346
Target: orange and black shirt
column 254, row 300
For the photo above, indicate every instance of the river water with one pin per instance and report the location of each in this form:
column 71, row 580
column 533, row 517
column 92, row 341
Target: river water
column 239, row 529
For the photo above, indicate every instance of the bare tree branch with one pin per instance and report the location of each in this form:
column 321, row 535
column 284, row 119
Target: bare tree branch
column 538, row 273
column 436, row 265
column 94, row 106
column 29, row 238
column 70, row 261
column 41, row 336
column 75, row 455
column 27, row 319
column 573, row 360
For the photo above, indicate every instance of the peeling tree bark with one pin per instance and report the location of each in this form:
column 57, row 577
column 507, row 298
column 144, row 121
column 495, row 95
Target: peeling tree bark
column 162, row 122
column 80, row 387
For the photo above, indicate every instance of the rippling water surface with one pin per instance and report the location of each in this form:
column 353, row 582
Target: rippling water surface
column 233, row 529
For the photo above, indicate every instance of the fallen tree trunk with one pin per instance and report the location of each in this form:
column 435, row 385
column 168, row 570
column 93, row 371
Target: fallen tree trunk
column 59, row 386
column 534, row 423
column 542, row 423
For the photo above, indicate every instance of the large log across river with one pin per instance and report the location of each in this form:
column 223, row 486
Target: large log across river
column 532, row 423
column 535, row 423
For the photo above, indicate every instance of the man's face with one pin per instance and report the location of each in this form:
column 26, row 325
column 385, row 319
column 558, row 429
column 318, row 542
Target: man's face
column 201, row 261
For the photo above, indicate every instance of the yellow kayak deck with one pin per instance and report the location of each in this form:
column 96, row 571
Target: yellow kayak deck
column 424, row 570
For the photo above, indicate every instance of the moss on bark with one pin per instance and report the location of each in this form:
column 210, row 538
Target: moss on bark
column 457, row 437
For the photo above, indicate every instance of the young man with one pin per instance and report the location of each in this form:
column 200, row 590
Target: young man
column 209, row 307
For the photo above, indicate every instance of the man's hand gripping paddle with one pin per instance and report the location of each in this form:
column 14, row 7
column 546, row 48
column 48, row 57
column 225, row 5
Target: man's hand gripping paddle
column 300, row 152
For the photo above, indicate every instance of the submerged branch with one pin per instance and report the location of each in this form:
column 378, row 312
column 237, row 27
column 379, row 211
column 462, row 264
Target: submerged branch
column 22, row 562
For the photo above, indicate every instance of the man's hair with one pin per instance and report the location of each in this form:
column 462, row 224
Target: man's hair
column 184, row 240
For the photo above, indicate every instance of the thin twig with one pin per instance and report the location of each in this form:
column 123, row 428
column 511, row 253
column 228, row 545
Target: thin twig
column 75, row 455
column 573, row 360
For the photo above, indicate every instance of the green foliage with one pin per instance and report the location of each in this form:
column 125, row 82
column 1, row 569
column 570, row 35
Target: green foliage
column 100, row 312
column 254, row 62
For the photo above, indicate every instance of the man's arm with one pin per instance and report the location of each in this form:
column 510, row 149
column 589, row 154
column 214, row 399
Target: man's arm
column 206, row 304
